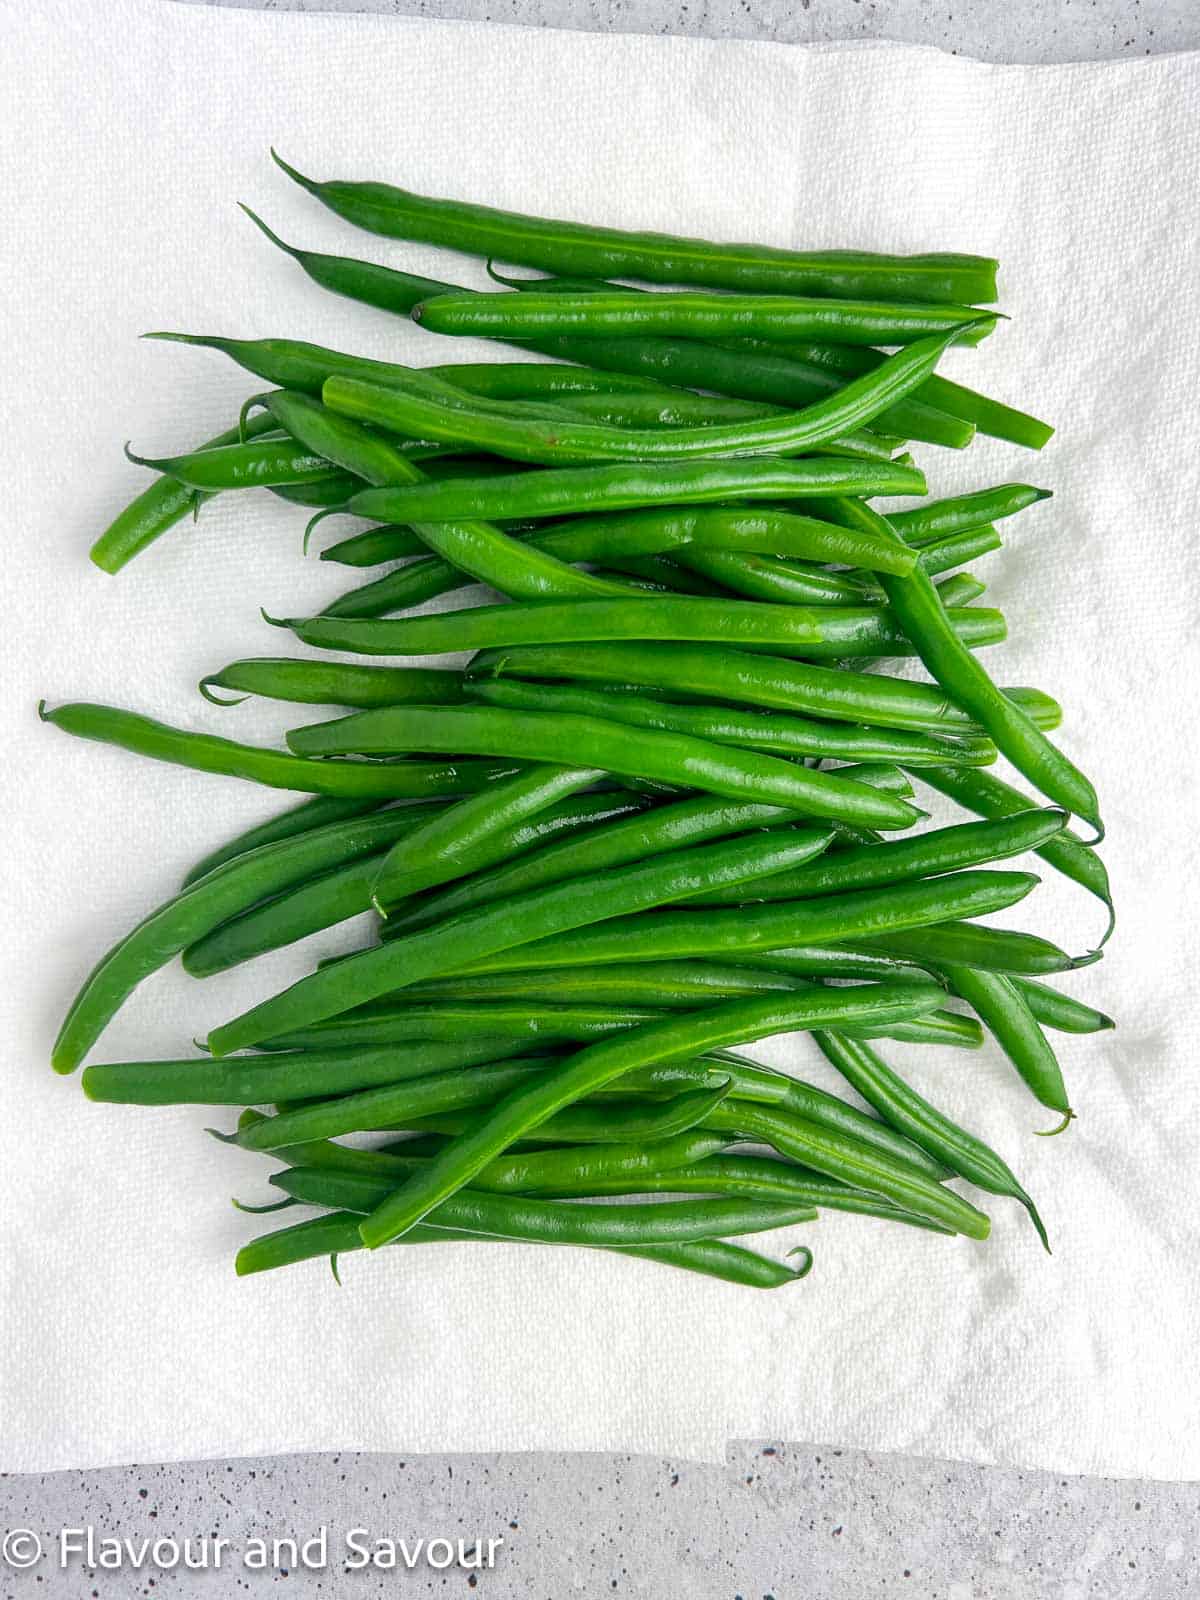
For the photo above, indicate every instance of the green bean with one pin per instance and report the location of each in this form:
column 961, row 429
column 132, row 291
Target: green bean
column 827, row 632
column 516, row 920
column 324, row 494
column 1060, row 1011
column 1005, row 1013
column 963, row 589
column 158, row 508
column 222, row 893
column 276, row 769
column 770, row 578
column 417, row 409
column 924, row 620
column 625, row 313
column 336, row 1234
column 912, row 1115
column 259, row 1080
column 926, row 855
column 523, row 1111
column 390, row 541
column 711, row 673
column 991, row 949
column 309, row 814
column 675, row 935
column 991, row 797
column 956, row 549
column 591, row 252
column 259, row 463
column 602, row 1121
column 332, row 683
column 938, row 518
column 785, row 735
column 669, row 758
column 620, row 841
column 563, row 490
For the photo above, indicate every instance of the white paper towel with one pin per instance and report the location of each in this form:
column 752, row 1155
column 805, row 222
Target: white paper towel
column 125, row 138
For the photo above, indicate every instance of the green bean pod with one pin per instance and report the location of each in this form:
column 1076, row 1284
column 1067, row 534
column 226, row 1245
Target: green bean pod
column 937, row 519
column 304, row 818
column 332, row 683
column 559, row 491
column 1061, row 1012
column 276, row 769
column 597, row 252
column 781, row 735
column 669, row 758
column 1005, row 1013
column 774, row 682
column 885, row 913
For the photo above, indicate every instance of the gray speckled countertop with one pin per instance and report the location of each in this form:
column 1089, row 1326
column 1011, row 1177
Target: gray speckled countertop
column 777, row 1522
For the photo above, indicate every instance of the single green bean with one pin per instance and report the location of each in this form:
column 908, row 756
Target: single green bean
column 782, row 735
column 591, row 251
column 669, row 758
column 158, row 508
column 332, row 683
column 938, row 518
column 564, row 490
column 516, row 920
column 276, row 769
column 258, row 463
column 676, row 935
column 712, row 673
column 1006, row 1015
column 1061, row 1012
column 990, row 949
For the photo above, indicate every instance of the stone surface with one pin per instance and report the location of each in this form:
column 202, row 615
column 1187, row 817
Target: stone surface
column 779, row 1522
column 991, row 30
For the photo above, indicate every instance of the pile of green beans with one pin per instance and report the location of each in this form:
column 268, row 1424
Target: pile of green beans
column 668, row 798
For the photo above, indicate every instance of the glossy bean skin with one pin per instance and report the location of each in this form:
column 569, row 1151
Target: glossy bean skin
column 524, row 1110
column 1066, row 853
column 925, row 621
column 260, row 1080
column 158, row 508
column 518, row 919
column 623, row 313
column 926, row 855
column 563, row 491
column 276, row 769
column 222, row 893
column 332, row 683
column 597, row 252
column 990, row 949
column 309, row 814
column 1005, row 1013
column 828, row 632
column 937, row 519
column 618, row 841
column 772, row 682
column 911, row 1114
column 258, row 463
column 668, row 758
column 1062, row 1012
column 552, row 1222
column 782, row 735
column 336, row 1234
column 887, row 913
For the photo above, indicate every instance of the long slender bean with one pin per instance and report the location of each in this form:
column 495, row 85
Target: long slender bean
column 1062, row 1012
column 1005, row 1013
column 276, row 769
column 938, row 518
column 333, row 683
column 309, row 814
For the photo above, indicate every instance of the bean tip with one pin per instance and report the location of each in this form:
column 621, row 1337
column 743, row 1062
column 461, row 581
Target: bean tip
column 1060, row 1127
column 805, row 1262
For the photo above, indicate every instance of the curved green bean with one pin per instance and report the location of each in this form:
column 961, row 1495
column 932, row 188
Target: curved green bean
column 332, row 683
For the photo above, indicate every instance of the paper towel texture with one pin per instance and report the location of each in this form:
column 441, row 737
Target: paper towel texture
column 122, row 152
